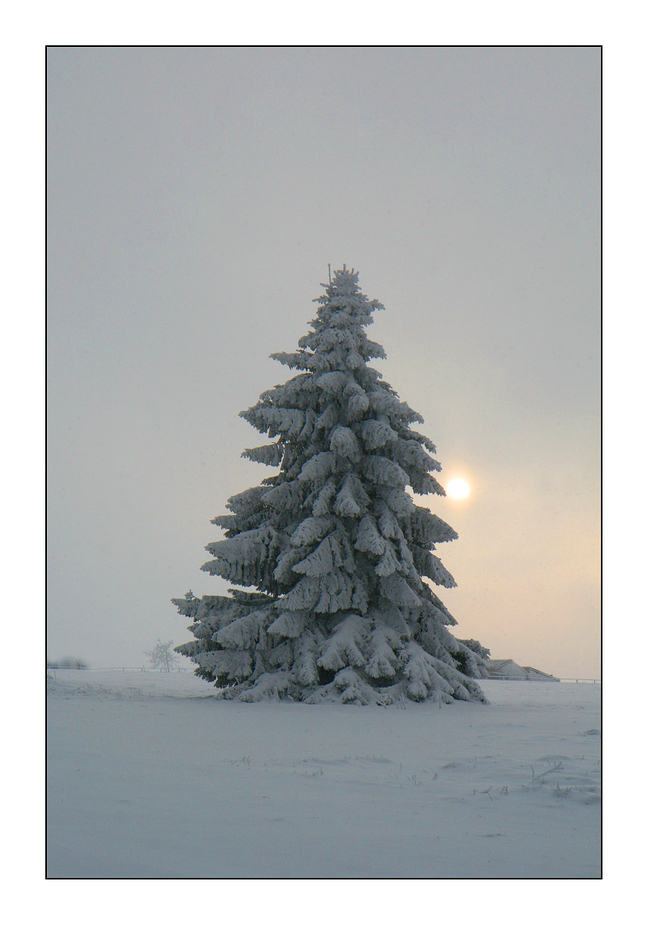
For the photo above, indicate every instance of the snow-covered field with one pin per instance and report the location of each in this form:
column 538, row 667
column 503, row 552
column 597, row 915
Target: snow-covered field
column 151, row 775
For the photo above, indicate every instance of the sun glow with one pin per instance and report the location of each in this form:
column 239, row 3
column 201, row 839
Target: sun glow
column 458, row 488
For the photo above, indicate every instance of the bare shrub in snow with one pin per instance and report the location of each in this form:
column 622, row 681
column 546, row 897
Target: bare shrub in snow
column 163, row 655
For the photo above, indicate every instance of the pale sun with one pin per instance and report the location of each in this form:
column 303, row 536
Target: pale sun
column 458, row 488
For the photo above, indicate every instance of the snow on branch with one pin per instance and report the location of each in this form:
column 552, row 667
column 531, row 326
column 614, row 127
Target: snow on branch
column 398, row 501
column 384, row 643
column 270, row 455
column 431, row 566
column 306, row 648
column 244, row 632
column 428, row 529
column 384, row 471
column 322, row 504
column 396, row 589
column 289, row 623
column 287, row 495
column 426, row 484
column 410, row 453
column 225, row 663
column 321, row 560
column 345, row 646
column 292, row 360
column 421, row 672
column 311, row 530
column 332, row 382
column 345, row 443
column 357, row 400
column 388, row 522
column 376, row 434
column 388, row 563
column 347, row 502
column 318, row 468
column 368, row 538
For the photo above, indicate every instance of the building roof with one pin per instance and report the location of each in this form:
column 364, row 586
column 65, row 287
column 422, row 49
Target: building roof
column 507, row 669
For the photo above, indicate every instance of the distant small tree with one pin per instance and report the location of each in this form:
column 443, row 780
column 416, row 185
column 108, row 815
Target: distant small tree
column 163, row 656
column 75, row 663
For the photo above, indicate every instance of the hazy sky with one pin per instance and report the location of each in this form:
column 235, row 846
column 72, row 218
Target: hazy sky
column 195, row 199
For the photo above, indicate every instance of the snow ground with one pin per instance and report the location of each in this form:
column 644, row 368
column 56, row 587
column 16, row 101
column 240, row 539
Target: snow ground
column 150, row 775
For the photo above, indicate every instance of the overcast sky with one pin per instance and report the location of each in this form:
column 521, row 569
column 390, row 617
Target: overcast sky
column 195, row 200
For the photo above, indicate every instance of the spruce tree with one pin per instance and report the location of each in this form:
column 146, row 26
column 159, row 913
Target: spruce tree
column 339, row 555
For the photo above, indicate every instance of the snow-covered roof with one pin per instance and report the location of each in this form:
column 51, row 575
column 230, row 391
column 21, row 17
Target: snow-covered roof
column 507, row 669
column 534, row 674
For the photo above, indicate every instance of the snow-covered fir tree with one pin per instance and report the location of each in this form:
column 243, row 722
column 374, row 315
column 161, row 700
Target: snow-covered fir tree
column 340, row 558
